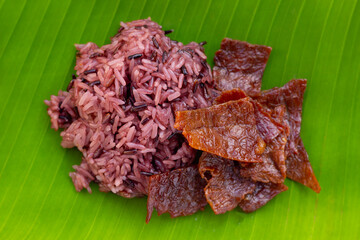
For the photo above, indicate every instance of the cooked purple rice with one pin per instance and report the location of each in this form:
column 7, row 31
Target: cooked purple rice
column 135, row 56
column 183, row 70
column 70, row 85
column 156, row 44
column 147, row 173
column 90, row 71
column 94, row 83
column 168, row 31
column 164, row 56
column 138, row 108
column 145, row 121
column 130, row 152
column 96, row 55
column 102, row 114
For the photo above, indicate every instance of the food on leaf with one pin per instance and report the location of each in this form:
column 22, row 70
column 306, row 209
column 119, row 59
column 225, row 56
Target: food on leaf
column 298, row 167
column 272, row 128
column 179, row 192
column 225, row 188
column 262, row 194
column 119, row 107
column 227, row 130
column 240, row 65
column 132, row 102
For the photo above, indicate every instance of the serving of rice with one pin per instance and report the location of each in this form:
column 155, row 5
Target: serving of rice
column 119, row 108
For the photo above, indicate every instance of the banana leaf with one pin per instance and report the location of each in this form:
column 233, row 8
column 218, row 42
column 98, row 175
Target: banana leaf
column 317, row 40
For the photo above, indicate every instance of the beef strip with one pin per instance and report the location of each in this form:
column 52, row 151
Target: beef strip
column 230, row 95
column 227, row 130
column 298, row 167
column 272, row 168
column 240, row 65
column 262, row 194
column 225, row 188
column 179, row 192
column 271, row 127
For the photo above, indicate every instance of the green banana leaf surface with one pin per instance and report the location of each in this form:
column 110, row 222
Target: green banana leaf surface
column 314, row 39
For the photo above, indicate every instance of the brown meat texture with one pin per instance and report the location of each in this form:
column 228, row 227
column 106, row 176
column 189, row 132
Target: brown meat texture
column 225, row 188
column 272, row 168
column 271, row 127
column 179, row 192
column 298, row 167
column 270, row 122
column 227, row 130
column 240, row 65
column 230, row 95
column 262, row 194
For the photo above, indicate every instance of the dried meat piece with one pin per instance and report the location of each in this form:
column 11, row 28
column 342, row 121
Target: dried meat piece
column 270, row 125
column 179, row 192
column 298, row 168
column 262, row 194
column 227, row 130
column 226, row 188
column 240, row 65
column 297, row 163
column 272, row 168
column 291, row 95
column 230, row 95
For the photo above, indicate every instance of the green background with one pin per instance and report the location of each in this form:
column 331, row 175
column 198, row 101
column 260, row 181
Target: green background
column 313, row 39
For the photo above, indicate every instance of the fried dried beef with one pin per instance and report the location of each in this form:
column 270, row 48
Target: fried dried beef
column 179, row 192
column 298, row 167
column 225, row 187
column 262, row 194
column 250, row 141
column 271, row 127
column 240, row 65
column 227, row 130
